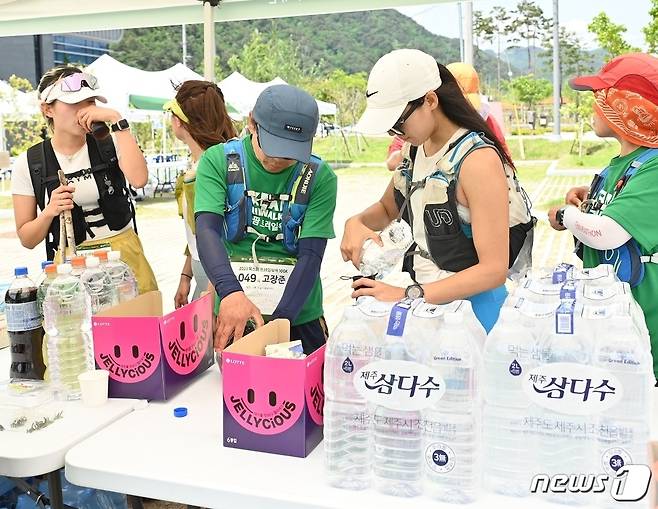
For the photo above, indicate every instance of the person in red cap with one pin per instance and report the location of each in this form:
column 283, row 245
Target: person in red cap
column 613, row 219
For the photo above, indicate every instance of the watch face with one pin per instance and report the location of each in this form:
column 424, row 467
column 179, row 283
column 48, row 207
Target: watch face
column 123, row 123
column 414, row 292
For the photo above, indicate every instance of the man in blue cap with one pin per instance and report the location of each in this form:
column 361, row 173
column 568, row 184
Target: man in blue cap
column 264, row 210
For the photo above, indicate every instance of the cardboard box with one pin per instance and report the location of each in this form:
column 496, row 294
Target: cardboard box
column 151, row 356
column 270, row 404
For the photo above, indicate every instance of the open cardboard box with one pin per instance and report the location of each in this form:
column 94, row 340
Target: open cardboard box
column 150, row 355
column 270, row 404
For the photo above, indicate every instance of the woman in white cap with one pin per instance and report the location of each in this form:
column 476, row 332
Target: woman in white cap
column 98, row 169
column 455, row 187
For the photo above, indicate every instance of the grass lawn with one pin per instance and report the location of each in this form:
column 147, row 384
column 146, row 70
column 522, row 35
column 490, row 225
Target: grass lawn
column 531, row 173
column 368, row 149
column 596, row 154
column 598, row 158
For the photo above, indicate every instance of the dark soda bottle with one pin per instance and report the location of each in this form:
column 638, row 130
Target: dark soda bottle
column 24, row 328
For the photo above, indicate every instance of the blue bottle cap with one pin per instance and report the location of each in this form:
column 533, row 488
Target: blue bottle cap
column 20, row 271
column 180, row 411
column 44, row 264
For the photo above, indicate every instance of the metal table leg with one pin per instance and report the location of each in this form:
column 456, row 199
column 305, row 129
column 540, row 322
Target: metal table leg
column 55, row 490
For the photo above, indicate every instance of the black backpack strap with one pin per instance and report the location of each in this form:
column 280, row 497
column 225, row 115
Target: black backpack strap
column 108, row 156
column 42, row 165
column 38, row 164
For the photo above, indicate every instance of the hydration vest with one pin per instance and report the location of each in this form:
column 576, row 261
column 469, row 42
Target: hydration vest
column 627, row 260
column 114, row 202
column 239, row 199
column 449, row 240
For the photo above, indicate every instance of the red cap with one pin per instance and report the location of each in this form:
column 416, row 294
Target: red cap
column 635, row 72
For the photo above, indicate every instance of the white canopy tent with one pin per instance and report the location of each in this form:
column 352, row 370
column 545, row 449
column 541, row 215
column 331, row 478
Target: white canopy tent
column 136, row 93
column 242, row 93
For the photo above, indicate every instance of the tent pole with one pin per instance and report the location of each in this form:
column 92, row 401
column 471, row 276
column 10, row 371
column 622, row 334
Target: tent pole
column 208, row 41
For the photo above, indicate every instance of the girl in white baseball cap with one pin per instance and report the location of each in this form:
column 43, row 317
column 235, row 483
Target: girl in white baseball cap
column 456, row 187
column 98, row 168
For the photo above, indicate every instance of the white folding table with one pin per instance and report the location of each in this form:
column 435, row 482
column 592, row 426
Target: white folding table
column 153, row 454
column 42, row 452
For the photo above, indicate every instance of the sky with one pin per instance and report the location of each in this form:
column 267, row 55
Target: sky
column 575, row 15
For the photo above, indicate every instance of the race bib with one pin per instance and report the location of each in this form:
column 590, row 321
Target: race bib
column 264, row 283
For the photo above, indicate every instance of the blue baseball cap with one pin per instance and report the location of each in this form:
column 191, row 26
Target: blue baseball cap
column 287, row 118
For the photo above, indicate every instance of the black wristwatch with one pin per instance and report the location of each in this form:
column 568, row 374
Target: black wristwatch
column 414, row 292
column 121, row 125
column 559, row 216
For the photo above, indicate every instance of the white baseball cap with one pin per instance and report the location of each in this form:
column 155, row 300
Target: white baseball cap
column 397, row 78
column 73, row 89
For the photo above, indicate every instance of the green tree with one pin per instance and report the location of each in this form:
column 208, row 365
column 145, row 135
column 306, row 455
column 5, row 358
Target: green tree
column 151, row 49
column 651, row 30
column 610, row 35
column 20, row 84
column 20, row 133
column 267, row 56
column 575, row 60
column 529, row 24
column 484, row 29
column 530, row 90
column 347, row 92
column 580, row 107
column 501, row 19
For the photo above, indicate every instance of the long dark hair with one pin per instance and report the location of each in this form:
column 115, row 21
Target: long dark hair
column 203, row 103
column 460, row 111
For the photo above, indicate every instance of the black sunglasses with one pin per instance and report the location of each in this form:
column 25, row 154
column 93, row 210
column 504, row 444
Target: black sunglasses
column 396, row 130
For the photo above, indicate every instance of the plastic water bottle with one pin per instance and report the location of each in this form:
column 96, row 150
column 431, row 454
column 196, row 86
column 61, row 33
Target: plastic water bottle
column 398, row 458
column 42, row 276
column 67, row 320
column 511, row 352
column 347, row 428
column 563, row 450
column 24, row 327
column 381, row 260
column 99, row 285
column 624, row 428
column 49, row 275
column 452, row 427
column 122, row 277
column 78, row 264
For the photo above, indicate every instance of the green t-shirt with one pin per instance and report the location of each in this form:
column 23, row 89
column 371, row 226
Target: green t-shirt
column 318, row 222
column 634, row 209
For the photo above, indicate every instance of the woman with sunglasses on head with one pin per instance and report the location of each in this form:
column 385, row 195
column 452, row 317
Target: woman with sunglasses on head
column 455, row 187
column 200, row 120
column 97, row 170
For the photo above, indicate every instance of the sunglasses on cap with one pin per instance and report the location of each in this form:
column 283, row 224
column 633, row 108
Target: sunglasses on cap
column 71, row 83
column 396, row 130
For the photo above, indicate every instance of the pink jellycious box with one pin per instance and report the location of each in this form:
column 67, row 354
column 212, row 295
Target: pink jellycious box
column 150, row 355
column 270, row 404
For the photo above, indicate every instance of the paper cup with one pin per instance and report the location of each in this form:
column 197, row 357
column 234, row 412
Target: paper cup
column 93, row 387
